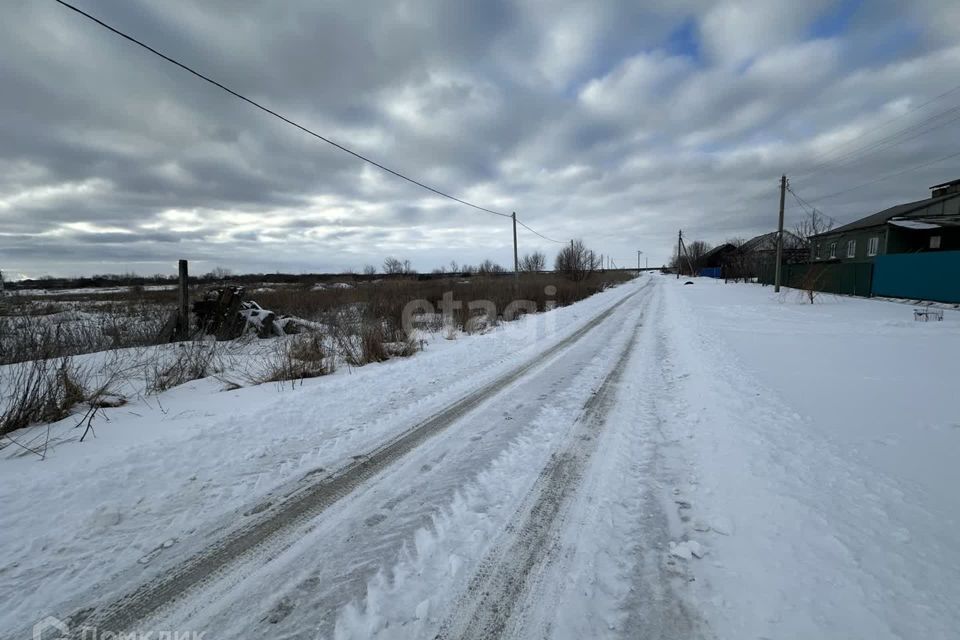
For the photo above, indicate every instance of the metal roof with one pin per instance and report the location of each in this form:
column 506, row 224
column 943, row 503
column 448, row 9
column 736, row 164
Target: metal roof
column 882, row 217
column 768, row 241
column 717, row 250
column 946, row 184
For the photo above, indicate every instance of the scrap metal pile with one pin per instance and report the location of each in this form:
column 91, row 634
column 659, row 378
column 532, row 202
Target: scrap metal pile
column 224, row 313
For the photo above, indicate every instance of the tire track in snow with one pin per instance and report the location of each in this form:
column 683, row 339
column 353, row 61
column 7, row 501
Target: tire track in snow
column 658, row 608
column 509, row 570
column 264, row 536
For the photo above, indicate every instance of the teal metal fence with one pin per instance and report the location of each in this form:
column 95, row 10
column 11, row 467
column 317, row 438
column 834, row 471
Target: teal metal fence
column 933, row 275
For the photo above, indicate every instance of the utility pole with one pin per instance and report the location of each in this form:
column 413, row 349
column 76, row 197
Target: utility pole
column 638, row 261
column 679, row 243
column 516, row 261
column 776, row 277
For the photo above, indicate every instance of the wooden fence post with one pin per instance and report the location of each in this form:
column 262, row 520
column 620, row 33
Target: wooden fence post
column 183, row 303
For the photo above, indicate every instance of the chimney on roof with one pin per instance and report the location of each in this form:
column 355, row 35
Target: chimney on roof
column 946, row 188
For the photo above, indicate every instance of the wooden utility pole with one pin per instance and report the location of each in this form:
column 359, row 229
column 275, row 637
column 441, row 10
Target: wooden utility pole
column 516, row 261
column 638, row 261
column 183, row 303
column 679, row 244
column 776, row 277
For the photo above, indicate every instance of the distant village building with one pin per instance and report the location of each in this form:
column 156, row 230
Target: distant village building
column 760, row 252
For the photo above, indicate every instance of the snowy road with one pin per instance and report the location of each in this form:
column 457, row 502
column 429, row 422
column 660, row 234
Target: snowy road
column 381, row 506
column 615, row 471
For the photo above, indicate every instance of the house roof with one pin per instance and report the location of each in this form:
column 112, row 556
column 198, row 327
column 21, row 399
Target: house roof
column 719, row 249
column 768, row 241
column 946, row 184
column 882, row 217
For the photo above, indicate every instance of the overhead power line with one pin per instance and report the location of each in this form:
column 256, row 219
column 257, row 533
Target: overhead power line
column 915, row 131
column 809, row 208
column 281, row 117
column 539, row 234
column 886, row 177
column 870, row 131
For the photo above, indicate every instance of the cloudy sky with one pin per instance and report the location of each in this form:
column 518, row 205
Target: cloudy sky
column 613, row 121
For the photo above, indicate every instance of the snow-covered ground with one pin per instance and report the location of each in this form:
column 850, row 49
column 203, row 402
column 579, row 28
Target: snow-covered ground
column 658, row 460
column 825, row 435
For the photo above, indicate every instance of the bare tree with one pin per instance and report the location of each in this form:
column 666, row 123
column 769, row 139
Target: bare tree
column 219, row 273
column 576, row 261
column 691, row 260
column 533, row 262
column 369, row 270
column 488, row 266
column 696, row 250
column 814, row 224
column 395, row 266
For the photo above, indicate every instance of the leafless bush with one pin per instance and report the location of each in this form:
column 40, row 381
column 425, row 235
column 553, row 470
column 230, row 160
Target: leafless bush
column 372, row 344
column 307, row 347
column 40, row 391
column 403, row 345
column 811, row 284
column 476, row 324
column 304, row 356
column 192, row 360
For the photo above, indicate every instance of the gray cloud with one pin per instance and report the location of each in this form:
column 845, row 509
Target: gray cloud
column 590, row 120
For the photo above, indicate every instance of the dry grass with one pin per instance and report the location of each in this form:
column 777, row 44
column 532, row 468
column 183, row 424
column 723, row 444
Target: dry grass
column 364, row 324
column 70, row 332
column 299, row 358
column 40, row 391
column 386, row 299
column 191, row 360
